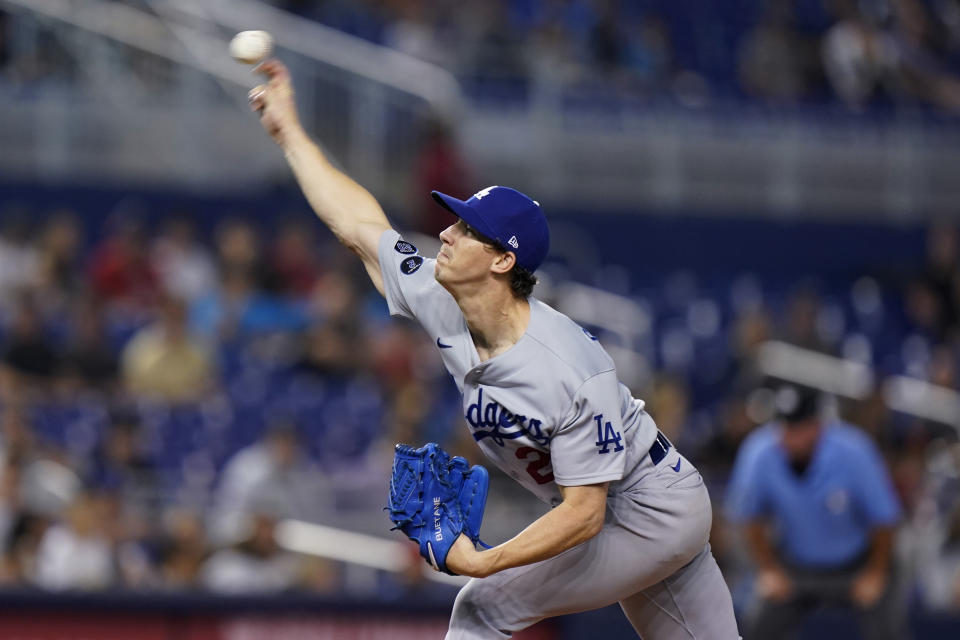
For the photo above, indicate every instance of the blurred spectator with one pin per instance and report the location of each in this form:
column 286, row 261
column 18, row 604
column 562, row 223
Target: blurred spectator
column 412, row 581
column 10, row 503
column 734, row 423
column 648, row 54
column 238, row 248
column 245, row 303
column 336, row 299
column 554, row 61
column 820, row 513
column 943, row 367
column 220, row 315
column 496, row 44
column 802, row 323
column 165, row 362
column 60, row 277
column 274, row 471
column 776, row 62
column 29, row 356
column 921, row 72
column 941, row 276
column 120, row 269
column 332, row 350
column 857, row 57
column 184, row 266
column 49, row 483
column 17, row 441
column 751, row 329
column 940, row 574
column 237, row 310
column 255, row 564
column 394, row 356
column 90, row 360
column 127, row 525
column 20, row 552
column 19, row 262
column 924, row 311
column 409, row 406
column 77, row 554
column 183, row 549
column 293, row 258
column 120, row 465
column 670, row 401
column 414, row 32
column 440, row 166
column 607, row 45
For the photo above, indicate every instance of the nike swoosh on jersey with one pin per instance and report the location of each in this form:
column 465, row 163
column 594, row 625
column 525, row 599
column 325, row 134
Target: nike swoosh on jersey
column 443, row 346
column 677, row 468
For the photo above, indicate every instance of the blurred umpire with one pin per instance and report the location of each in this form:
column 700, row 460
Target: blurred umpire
column 819, row 511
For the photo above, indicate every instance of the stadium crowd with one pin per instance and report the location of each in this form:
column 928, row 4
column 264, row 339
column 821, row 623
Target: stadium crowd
column 782, row 52
column 166, row 400
column 866, row 55
column 170, row 391
column 135, row 371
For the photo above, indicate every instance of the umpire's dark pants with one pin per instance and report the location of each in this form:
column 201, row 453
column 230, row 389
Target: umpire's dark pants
column 813, row 590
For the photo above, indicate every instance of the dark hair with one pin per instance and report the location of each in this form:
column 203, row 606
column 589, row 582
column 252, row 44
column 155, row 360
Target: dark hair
column 522, row 280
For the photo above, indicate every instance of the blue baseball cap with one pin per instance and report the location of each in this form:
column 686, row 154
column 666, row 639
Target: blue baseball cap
column 507, row 216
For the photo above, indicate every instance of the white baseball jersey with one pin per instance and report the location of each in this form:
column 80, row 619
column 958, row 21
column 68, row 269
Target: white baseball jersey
column 549, row 410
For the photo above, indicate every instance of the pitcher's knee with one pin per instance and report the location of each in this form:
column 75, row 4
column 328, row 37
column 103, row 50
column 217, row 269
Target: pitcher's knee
column 474, row 614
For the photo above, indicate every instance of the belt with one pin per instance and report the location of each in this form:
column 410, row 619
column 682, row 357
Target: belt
column 658, row 451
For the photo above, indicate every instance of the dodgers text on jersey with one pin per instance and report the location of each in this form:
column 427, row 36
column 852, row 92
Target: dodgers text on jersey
column 490, row 420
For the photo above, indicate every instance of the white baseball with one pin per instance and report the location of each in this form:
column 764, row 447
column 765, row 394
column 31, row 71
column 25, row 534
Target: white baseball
column 250, row 47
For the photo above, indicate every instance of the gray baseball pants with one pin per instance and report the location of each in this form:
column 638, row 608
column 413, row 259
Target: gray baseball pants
column 652, row 556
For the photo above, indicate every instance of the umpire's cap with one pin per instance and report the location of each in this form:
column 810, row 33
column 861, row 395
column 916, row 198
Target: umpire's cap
column 507, row 216
column 794, row 403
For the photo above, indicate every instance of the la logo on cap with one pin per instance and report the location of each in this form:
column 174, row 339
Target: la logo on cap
column 480, row 195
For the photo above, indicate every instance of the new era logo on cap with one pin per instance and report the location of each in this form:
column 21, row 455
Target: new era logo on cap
column 507, row 216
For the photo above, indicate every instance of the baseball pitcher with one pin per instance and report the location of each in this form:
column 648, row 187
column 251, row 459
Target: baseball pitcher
column 631, row 516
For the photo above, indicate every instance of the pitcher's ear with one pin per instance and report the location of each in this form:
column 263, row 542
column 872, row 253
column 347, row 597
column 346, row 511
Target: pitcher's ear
column 505, row 262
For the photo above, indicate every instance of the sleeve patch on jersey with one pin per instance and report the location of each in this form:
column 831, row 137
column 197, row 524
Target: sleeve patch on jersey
column 410, row 265
column 404, row 247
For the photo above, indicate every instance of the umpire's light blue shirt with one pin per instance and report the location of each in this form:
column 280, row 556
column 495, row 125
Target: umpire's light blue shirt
column 824, row 517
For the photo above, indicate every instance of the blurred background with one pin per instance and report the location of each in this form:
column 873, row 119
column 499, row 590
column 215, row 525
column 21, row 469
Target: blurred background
column 200, row 391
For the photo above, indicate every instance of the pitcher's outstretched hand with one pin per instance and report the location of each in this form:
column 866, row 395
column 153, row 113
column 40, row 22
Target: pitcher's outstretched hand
column 274, row 101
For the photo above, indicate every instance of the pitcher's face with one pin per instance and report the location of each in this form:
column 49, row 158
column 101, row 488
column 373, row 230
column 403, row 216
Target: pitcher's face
column 465, row 256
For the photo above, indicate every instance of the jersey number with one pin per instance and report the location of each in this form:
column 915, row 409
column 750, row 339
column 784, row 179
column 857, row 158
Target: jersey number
column 541, row 460
column 607, row 436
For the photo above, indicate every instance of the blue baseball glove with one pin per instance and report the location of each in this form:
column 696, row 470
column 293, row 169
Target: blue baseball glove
column 434, row 498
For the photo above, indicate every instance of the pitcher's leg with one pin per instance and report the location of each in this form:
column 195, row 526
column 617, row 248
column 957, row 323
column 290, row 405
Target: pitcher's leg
column 601, row 571
column 651, row 532
column 692, row 604
column 469, row 620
